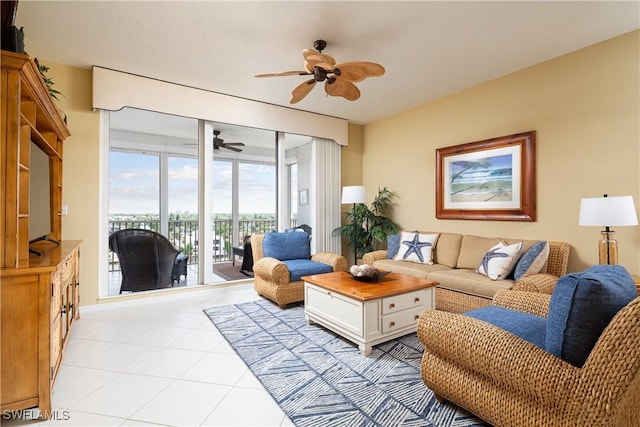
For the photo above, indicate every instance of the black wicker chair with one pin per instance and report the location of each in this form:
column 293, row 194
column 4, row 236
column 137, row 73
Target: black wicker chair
column 147, row 260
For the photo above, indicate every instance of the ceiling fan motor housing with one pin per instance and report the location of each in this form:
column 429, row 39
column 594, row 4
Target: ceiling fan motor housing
column 319, row 45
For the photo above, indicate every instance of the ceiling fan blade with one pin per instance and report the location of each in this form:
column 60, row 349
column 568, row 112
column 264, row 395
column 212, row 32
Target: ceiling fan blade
column 357, row 71
column 343, row 88
column 237, row 150
column 284, row 73
column 301, row 91
column 313, row 57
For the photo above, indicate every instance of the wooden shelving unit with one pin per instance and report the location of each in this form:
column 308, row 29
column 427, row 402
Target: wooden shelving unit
column 39, row 294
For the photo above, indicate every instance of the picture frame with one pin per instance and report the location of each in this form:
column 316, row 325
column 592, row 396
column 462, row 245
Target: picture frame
column 303, row 197
column 492, row 179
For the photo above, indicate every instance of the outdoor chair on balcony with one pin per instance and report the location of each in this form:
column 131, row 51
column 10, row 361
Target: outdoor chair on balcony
column 147, row 260
column 301, row 227
column 281, row 259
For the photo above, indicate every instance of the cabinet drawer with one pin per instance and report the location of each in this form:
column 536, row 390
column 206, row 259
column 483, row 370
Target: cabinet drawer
column 401, row 320
column 68, row 269
column 337, row 309
column 404, row 301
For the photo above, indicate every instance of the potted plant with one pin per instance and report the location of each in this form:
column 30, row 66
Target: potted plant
column 369, row 227
column 48, row 80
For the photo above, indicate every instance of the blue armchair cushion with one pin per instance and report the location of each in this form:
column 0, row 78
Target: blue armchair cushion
column 581, row 307
column 305, row 267
column 286, row 246
column 527, row 326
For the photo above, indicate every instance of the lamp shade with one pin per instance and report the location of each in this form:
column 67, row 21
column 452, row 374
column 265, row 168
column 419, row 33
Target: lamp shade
column 354, row 194
column 608, row 211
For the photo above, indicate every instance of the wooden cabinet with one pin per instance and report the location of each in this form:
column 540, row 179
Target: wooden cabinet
column 38, row 307
column 39, row 294
column 28, row 116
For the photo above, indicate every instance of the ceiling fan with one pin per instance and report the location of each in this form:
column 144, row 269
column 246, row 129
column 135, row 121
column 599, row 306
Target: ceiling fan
column 338, row 78
column 219, row 143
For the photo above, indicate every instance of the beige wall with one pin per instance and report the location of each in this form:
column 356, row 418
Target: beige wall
column 81, row 175
column 584, row 107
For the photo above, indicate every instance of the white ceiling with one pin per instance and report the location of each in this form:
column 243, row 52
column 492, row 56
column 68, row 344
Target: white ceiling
column 429, row 49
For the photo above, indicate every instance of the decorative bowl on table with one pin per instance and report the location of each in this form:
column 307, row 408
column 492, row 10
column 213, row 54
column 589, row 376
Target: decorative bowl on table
column 367, row 273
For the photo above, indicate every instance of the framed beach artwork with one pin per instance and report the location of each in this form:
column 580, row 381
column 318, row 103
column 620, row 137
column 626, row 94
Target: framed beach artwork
column 492, row 179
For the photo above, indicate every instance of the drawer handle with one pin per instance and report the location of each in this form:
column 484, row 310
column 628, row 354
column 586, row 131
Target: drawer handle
column 392, row 305
column 417, row 299
column 392, row 324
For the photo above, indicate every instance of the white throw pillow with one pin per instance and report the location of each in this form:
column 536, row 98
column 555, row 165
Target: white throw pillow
column 500, row 260
column 416, row 247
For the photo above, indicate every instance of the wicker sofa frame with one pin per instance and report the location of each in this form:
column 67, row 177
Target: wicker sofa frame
column 508, row 381
column 459, row 302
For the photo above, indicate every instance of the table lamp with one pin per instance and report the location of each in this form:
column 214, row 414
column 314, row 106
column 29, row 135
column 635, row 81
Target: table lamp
column 607, row 212
column 354, row 194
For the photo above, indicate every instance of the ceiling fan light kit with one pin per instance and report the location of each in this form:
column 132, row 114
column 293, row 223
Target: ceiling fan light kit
column 338, row 78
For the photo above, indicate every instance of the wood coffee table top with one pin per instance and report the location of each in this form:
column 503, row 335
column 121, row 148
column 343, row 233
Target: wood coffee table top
column 392, row 284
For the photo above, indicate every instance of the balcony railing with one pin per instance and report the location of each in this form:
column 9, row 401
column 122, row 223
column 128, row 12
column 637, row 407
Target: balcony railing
column 183, row 234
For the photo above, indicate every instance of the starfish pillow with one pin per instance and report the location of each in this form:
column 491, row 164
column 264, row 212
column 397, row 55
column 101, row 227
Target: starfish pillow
column 416, row 247
column 500, row 260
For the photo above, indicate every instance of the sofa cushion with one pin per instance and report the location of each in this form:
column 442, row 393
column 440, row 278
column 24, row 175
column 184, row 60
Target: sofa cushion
column 286, row 246
column 469, row 282
column 447, row 249
column 305, row 267
column 393, row 244
column 416, row 247
column 499, row 261
column 412, row 269
column 473, row 248
column 533, row 261
column 581, row 307
column 525, row 325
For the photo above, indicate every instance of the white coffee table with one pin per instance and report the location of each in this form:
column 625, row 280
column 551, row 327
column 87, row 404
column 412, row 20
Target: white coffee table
column 367, row 313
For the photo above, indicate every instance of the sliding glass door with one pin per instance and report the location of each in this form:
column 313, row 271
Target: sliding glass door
column 207, row 186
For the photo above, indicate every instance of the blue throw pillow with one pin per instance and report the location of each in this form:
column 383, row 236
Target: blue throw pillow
column 527, row 326
column 581, row 307
column 286, row 246
column 393, row 244
column 533, row 261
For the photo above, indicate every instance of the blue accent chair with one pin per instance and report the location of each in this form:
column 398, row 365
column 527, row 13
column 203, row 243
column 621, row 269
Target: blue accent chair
column 282, row 259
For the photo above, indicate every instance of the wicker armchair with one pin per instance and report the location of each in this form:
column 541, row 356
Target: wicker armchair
column 508, row 381
column 272, row 277
column 147, row 259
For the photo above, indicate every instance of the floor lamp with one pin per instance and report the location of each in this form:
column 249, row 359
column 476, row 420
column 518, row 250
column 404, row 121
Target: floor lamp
column 607, row 212
column 354, row 194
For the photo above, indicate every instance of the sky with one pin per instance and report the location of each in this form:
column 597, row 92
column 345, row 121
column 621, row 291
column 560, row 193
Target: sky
column 134, row 185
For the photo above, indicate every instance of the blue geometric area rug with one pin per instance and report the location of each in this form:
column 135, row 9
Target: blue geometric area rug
column 320, row 379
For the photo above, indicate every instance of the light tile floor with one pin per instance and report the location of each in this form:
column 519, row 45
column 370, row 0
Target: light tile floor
column 157, row 361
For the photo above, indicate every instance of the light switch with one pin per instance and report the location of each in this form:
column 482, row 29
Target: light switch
column 65, row 209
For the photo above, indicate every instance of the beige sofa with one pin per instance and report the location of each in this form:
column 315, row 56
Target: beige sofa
column 456, row 258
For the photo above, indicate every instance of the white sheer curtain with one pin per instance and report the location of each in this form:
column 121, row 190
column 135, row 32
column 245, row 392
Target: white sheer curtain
column 325, row 203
